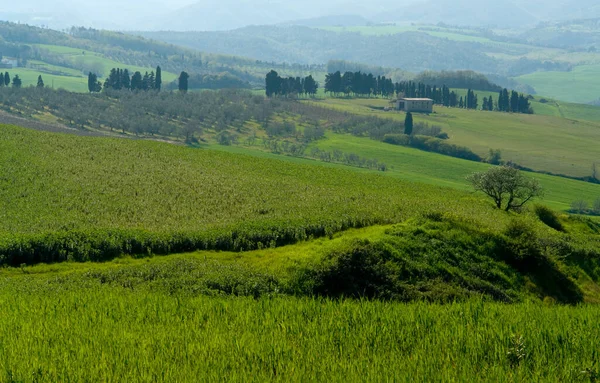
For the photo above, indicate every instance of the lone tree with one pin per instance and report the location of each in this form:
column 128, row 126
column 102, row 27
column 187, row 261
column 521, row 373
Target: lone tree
column 40, row 82
column 183, row 82
column 507, row 186
column 158, row 79
column 408, row 124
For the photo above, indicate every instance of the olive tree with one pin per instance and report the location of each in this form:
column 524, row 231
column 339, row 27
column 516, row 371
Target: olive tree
column 507, row 186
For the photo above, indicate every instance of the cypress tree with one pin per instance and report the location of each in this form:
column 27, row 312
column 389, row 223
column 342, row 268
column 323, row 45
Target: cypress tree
column 125, row 80
column 158, row 78
column 40, row 82
column 408, row 124
column 136, row 81
column 6, row 79
column 92, row 78
column 183, row 82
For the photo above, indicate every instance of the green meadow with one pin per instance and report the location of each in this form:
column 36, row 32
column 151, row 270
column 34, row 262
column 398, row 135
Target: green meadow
column 578, row 85
column 540, row 142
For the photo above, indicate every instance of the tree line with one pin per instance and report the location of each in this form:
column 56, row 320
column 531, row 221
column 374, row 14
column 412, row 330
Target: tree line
column 119, row 79
column 276, row 85
column 367, row 85
column 5, row 80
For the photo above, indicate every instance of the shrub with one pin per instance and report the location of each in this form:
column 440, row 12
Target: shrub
column 549, row 217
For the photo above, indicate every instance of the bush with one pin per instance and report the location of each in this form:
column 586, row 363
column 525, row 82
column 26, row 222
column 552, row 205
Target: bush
column 549, row 217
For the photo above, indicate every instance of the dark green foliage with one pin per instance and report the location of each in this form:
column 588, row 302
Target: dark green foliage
column 549, row 217
column 40, row 82
column 290, row 86
column 440, row 259
column 183, row 82
column 158, row 79
column 6, row 79
column 408, row 124
column 93, row 84
column 17, row 82
column 462, row 79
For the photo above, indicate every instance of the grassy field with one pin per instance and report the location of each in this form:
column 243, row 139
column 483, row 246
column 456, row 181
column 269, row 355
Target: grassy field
column 171, row 197
column 177, row 318
column 543, row 143
column 314, row 262
column 99, row 61
column 71, row 79
column 581, row 83
column 71, row 83
column 57, row 332
column 431, row 168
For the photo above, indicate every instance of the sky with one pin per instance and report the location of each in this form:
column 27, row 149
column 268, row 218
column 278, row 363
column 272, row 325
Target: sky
column 202, row 15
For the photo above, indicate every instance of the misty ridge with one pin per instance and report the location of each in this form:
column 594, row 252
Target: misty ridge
column 212, row 15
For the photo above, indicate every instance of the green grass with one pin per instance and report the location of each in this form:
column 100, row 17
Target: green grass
column 70, row 83
column 431, row 168
column 579, row 85
column 542, row 143
column 77, row 192
column 105, row 64
column 56, row 331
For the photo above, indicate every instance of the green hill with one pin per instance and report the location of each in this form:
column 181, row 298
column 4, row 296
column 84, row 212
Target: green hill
column 317, row 256
column 66, row 58
column 543, row 143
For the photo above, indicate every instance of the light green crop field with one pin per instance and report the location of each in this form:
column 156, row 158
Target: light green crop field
column 377, row 30
column 57, row 332
column 30, row 77
column 169, row 197
column 549, row 107
column 436, row 169
column 104, row 64
column 542, row 143
column 579, row 85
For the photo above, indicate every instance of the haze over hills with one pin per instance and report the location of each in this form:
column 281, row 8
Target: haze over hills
column 213, row 15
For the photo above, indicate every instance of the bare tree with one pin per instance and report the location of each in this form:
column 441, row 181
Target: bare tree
column 580, row 206
column 595, row 171
column 596, row 206
column 507, row 186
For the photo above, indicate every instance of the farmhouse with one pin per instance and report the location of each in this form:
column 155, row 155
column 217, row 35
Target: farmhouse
column 424, row 105
column 8, row 62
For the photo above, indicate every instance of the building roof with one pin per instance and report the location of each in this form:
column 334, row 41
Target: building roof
column 415, row 99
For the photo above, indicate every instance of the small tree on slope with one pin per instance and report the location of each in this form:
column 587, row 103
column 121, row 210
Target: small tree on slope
column 507, row 186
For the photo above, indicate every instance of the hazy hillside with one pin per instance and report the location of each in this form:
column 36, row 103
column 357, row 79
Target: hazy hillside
column 410, row 51
column 185, row 15
column 461, row 12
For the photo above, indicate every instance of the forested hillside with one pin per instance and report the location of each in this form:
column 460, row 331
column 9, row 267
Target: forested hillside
column 89, row 50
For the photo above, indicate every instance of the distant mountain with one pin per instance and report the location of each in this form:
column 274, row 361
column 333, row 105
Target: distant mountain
column 333, row 21
column 222, row 15
column 486, row 13
column 462, row 12
column 219, row 15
